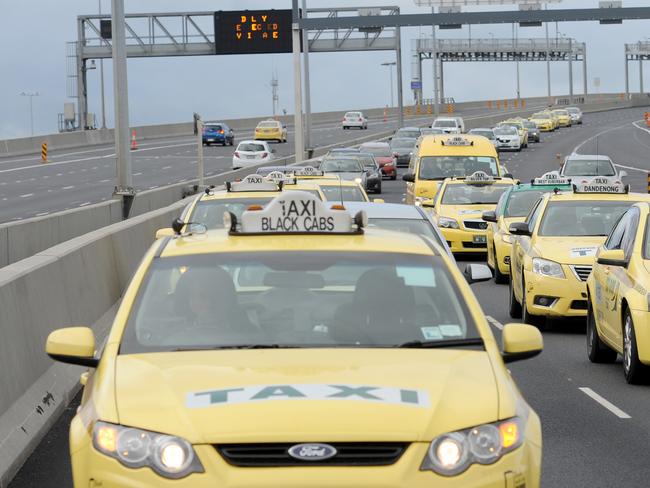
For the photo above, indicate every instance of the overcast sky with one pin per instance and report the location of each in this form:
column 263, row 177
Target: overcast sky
column 32, row 54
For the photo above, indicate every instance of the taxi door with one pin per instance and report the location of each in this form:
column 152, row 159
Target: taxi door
column 520, row 247
column 612, row 278
column 410, row 187
column 493, row 228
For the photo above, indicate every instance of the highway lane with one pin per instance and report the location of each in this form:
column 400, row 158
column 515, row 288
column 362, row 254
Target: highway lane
column 80, row 177
column 585, row 443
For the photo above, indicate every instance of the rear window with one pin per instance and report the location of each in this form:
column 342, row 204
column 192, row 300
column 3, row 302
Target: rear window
column 269, row 125
column 588, row 168
column 382, row 151
column 213, row 127
column 520, row 203
column 210, row 212
column 441, row 167
column 251, row 147
column 445, row 123
column 353, row 114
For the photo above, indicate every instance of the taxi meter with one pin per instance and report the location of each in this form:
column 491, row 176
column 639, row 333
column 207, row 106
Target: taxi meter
column 253, row 31
column 297, row 212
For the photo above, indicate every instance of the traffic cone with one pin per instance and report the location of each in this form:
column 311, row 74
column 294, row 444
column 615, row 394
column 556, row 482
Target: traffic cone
column 385, row 114
column 134, row 142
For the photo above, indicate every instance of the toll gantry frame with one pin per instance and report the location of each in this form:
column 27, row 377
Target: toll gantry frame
column 494, row 50
column 639, row 51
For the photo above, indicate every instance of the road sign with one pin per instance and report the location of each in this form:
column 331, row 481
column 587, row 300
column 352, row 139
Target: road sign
column 253, row 31
column 416, row 85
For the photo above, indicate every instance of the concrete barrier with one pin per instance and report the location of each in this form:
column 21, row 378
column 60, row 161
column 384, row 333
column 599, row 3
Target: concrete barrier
column 73, row 283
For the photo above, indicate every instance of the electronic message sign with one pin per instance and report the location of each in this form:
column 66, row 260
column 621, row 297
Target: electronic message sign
column 253, row 31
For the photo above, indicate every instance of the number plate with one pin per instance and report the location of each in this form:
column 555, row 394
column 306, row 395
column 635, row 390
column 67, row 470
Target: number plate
column 480, row 239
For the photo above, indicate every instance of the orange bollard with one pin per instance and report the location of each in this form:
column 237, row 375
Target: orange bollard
column 523, row 104
column 489, row 104
column 505, row 105
column 386, row 115
column 134, row 142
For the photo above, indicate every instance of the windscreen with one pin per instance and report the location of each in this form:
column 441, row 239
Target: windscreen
column 583, row 167
column 521, row 202
column 341, row 166
column 378, row 151
column 505, row 131
column 402, row 144
column 368, row 161
column 473, row 194
column 418, row 227
column 530, row 125
column 251, row 147
column 295, row 299
column 343, row 193
column 581, row 218
column 539, row 115
column 210, row 212
column 353, row 115
column 441, row 167
column 485, row 133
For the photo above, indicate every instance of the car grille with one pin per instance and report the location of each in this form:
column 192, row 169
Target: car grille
column 347, row 454
column 581, row 272
column 475, row 224
column 475, row 245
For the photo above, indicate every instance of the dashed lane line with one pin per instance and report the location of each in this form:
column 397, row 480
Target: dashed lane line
column 605, row 403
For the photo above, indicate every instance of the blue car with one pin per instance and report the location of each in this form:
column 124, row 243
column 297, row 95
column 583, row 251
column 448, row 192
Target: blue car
column 218, row 133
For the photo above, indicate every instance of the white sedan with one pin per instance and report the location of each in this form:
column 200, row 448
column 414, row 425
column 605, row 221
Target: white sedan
column 251, row 153
column 355, row 119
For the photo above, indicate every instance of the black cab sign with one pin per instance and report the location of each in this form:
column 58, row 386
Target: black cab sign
column 601, row 185
column 550, row 179
column 457, row 141
column 308, row 171
column 479, row 177
column 296, row 212
column 253, row 182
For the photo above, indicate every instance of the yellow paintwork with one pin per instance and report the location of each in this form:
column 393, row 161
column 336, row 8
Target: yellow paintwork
column 431, row 145
column 614, row 289
column 544, row 121
column 456, row 237
column 73, row 341
column 557, row 249
column 499, row 241
column 466, row 387
column 278, row 133
column 564, row 120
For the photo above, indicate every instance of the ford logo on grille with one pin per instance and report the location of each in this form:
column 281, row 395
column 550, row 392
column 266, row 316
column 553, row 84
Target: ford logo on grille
column 312, row 452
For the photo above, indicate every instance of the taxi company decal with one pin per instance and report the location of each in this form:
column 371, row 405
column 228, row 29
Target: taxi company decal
column 467, row 212
column 581, row 252
column 357, row 393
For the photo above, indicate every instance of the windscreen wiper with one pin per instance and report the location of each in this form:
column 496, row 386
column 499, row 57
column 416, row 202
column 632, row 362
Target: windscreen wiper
column 235, row 346
column 417, row 344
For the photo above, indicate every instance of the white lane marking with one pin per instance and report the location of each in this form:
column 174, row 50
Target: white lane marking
column 42, row 214
column 494, row 322
column 577, row 148
column 636, row 124
column 632, row 168
column 68, row 187
column 167, row 167
column 27, row 195
column 605, row 403
column 104, row 181
column 137, row 174
column 84, row 204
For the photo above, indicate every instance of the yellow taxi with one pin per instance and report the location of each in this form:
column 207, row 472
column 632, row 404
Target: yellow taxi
column 443, row 156
column 554, row 251
column 563, row 116
column 514, row 205
column 459, row 206
column 208, row 207
column 297, row 348
column 521, row 129
column 271, row 130
column 619, row 300
column 544, row 121
column 333, row 188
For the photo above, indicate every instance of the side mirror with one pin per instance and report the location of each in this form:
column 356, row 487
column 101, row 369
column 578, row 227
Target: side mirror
column 378, row 200
column 521, row 341
column 611, row 257
column 409, row 177
column 74, row 345
column 165, row 232
column 519, row 229
column 475, row 273
column 490, row 216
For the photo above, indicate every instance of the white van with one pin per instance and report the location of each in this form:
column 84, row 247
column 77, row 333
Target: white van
column 450, row 125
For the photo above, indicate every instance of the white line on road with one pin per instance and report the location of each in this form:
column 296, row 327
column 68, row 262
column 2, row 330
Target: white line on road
column 605, row 403
column 137, row 174
column 68, row 187
column 632, row 168
column 494, row 322
column 84, row 204
column 42, row 214
column 577, row 148
column 27, row 195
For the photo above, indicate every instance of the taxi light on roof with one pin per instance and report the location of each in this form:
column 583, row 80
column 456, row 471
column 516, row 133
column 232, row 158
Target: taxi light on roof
column 457, row 141
column 509, row 434
column 550, row 178
column 280, row 177
column 601, row 184
column 296, row 212
column 308, row 171
column 479, row 177
column 253, row 182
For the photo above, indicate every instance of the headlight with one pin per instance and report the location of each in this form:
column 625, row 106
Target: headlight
column 358, row 181
column 507, row 238
column 547, row 268
column 447, row 223
column 451, row 454
column 169, row 456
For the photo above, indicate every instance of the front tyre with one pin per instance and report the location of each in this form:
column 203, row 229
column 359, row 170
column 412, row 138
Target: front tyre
column 597, row 351
column 635, row 371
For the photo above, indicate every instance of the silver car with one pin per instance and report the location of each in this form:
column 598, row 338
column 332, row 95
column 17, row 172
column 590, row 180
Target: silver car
column 507, row 138
column 485, row 132
column 576, row 115
column 348, row 168
column 589, row 165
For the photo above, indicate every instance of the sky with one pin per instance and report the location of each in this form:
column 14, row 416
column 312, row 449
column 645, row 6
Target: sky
column 33, row 36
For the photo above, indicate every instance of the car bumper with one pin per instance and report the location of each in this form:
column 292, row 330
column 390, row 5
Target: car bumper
column 403, row 160
column 504, row 146
column 502, row 256
column 373, row 183
column 464, row 241
column 518, row 468
column 268, row 137
column 215, row 139
column 353, row 124
column 389, row 170
column 568, row 295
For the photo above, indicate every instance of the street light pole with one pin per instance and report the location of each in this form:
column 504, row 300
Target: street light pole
column 390, row 65
column 31, row 96
column 101, row 78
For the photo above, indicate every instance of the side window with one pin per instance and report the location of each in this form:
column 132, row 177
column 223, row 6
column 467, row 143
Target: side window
column 533, row 216
column 502, row 203
column 627, row 243
column 615, row 238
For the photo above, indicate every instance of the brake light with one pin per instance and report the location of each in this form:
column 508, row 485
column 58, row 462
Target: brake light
column 236, row 154
column 221, row 131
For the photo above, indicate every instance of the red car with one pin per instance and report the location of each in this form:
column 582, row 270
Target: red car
column 384, row 157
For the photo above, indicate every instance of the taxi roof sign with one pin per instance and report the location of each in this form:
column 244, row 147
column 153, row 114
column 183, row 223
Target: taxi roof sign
column 549, row 179
column 253, row 182
column 600, row 184
column 479, row 177
column 457, row 141
column 280, row 177
column 296, row 212
column 308, row 171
